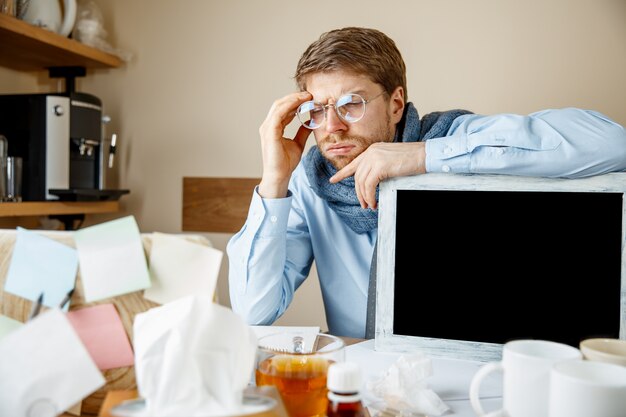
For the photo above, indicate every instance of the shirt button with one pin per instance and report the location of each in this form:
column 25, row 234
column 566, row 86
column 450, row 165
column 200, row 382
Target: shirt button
column 273, row 219
column 445, row 168
column 447, row 150
column 499, row 151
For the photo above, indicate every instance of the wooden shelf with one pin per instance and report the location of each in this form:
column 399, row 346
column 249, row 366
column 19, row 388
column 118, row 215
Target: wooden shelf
column 44, row 208
column 25, row 47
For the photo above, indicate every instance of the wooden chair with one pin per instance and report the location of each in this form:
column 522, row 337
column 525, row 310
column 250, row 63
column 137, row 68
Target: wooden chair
column 216, row 204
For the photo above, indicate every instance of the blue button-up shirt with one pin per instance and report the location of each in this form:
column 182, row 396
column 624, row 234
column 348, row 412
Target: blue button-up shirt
column 273, row 253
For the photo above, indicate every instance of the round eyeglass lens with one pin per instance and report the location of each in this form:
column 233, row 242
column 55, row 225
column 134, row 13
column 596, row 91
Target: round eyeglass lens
column 351, row 107
column 311, row 114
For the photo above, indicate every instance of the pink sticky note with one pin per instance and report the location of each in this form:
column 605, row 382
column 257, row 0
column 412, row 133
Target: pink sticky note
column 102, row 332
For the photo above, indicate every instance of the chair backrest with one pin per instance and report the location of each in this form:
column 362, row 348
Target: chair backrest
column 216, row 204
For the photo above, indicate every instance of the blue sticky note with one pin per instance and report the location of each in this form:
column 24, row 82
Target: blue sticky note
column 40, row 264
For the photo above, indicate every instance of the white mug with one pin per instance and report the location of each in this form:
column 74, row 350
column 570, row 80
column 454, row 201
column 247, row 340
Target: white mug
column 526, row 365
column 581, row 388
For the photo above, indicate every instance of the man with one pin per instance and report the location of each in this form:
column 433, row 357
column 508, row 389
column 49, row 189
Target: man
column 322, row 206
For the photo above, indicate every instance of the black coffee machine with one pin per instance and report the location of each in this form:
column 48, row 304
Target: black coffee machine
column 59, row 137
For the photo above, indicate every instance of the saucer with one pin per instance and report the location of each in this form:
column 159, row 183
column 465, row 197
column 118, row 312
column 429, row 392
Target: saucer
column 252, row 404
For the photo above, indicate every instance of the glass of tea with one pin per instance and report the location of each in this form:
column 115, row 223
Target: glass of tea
column 296, row 363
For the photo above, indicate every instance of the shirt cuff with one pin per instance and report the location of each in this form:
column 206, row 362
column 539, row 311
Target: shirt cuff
column 269, row 216
column 448, row 154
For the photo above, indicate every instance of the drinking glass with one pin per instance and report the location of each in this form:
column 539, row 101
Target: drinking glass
column 13, row 179
column 296, row 363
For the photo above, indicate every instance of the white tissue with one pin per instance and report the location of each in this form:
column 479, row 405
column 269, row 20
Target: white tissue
column 193, row 358
column 403, row 387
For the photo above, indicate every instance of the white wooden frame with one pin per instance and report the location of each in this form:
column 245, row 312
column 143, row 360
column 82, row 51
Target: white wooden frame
column 385, row 340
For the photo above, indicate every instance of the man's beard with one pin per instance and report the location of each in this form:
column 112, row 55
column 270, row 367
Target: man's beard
column 384, row 134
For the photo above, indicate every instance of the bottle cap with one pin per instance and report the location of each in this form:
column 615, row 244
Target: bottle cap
column 344, row 377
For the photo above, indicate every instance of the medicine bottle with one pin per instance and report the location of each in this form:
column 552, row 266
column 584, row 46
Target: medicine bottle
column 344, row 383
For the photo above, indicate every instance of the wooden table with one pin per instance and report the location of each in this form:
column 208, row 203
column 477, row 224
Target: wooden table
column 127, row 305
column 279, row 411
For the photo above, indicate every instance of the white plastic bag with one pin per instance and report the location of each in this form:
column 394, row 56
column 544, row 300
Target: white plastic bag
column 89, row 29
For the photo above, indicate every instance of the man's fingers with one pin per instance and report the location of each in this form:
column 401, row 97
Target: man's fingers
column 369, row 187
column 346, row 171
column 359, row 195
column 365, row 182
column 360, row 177
column 283, row 110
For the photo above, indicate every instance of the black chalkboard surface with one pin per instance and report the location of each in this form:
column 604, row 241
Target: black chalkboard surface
column 506, row 265
column 466, row 263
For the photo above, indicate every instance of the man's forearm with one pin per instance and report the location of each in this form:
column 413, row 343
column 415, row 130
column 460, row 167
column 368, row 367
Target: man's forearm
column 570, row 143
column 270, row 188
column 255, row 287
column 261, row 287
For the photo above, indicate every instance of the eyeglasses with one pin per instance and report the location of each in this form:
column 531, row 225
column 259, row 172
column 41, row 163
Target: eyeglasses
column 349, row 107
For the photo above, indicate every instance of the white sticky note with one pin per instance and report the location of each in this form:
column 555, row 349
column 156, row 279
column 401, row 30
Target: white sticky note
column 179, row 268
column 45, row 368
column 75, row 409
column 40, row 264
column 7, row 325
column 112, row 260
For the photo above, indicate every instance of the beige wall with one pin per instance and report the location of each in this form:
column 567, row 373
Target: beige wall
column 204, row 74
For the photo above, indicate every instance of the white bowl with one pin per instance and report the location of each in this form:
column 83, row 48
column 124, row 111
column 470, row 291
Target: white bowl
column 604, row 350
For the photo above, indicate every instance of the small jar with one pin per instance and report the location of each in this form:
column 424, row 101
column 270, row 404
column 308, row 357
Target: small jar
column 344, row 385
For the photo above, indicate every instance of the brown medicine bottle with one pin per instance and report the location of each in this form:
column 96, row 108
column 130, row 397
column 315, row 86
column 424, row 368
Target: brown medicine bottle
column 344, row 383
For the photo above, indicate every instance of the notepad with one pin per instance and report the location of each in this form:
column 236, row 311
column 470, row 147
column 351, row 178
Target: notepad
column 179, row 268
column 7, row 325
column 112, row 260
column 102, row 332
column 44, row 364
column 40, row 264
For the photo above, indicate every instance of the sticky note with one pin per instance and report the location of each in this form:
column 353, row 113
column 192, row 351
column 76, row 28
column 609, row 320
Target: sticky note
column 7, row 325
column 40, row 264
column 179, row 268
column 45, row 367
column 112, row 260
column 102, row 332
column 75, row 409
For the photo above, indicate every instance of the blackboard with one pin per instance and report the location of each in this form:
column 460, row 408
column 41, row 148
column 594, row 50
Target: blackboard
column 459, row 255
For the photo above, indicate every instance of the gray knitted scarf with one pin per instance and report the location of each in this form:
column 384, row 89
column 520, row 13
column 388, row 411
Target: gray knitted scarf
column 341, row 197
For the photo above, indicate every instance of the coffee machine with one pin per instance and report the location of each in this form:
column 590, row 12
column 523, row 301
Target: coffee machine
column 59, row 137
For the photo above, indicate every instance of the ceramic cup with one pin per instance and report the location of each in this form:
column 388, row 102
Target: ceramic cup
column 526, row 366
column 604, row 350
column 581, row 388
